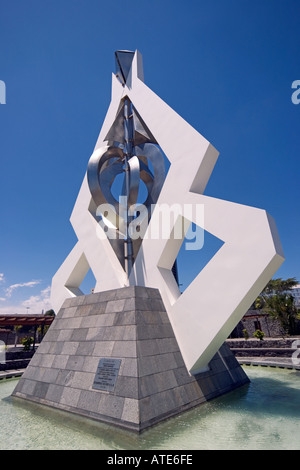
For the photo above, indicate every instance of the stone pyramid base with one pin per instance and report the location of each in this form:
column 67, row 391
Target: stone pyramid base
column 113, row 357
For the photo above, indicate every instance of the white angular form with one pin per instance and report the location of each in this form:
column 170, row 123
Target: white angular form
column 238, row 272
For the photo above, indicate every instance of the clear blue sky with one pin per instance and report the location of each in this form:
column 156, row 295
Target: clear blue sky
column 226, row 66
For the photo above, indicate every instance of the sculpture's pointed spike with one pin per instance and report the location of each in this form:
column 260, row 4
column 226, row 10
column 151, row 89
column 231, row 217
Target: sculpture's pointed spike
column 123, row 64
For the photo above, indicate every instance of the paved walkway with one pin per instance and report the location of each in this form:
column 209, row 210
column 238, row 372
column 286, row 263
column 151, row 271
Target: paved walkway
column 8, row 374
column 281, row 362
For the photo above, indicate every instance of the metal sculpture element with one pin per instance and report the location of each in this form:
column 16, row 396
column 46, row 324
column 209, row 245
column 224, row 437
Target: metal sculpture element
column 130, row 147
column 137, row 121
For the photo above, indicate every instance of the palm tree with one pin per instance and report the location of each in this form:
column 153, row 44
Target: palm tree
column 276, row 300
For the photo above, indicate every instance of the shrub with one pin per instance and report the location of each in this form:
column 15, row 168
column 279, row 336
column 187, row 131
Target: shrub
column 27, row 342
column 259, row 335
column 245, row 333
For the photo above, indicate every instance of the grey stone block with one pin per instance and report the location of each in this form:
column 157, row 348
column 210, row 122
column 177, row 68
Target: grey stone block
column 70, row 397
column 75, row 363
column 56, row 348
column 65, row 377
column 50, row 375
column 64, row 335
column 54, row 393
column 131, row 411
column 125, row 318
column 127, row 387
column 79, row 334
column 83, row 380
column 86, row 348
column 103, row 348
column 111, row 405
column 114, row 306
column 124, row 349
column 60, row 361
column 70, row 347
column 41, row 389
column 89, row 400
column 129, row 367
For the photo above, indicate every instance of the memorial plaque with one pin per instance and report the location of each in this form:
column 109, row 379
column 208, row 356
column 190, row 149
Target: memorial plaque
column 106, row 375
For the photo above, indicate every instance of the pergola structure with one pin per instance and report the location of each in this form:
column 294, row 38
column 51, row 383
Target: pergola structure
column 26, row 320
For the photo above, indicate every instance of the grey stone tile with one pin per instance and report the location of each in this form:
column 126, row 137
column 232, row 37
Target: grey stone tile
column 125, row 318
column 83, row 311
column 50, row 375
column 41, row 389
column 129, row 304
column 75, row 363
column 129, row 367
column 127, row 387
column 65, row 377
column 70, row 396
column 115, row 306
column 108, row 295
column 56, row 347
column 165, row 345
column 126, row 292
column 147, row 347
column 90, row 364
column 34, row 373
column 72, row 323
column 147, row 386
column 75, row 301
column 89, row 400
column 36, row 359
column 124, row 349
column 79, row 334
column 54, row 393
column 46, row 360
column 70, row 347
column 43, row 348
column 51, row 335
column 142, row 292
column 60, row 361
column 131, row 411
column 153, row 293
column 182, row 376
column 66, row 304
column 83, row 380
column 28, row 387
column 68, row 312
column 86, row 348
column 129, row 333
column 151, row 331
column 64, row 335
column 103, row 348
column 98, row 308
column 111, row 405
column 148, row 317
column 147, row 365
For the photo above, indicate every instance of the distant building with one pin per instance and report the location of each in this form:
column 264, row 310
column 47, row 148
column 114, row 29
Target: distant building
column 257, row 320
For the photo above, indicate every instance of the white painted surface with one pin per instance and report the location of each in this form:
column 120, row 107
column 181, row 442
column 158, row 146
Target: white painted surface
column 238, row 272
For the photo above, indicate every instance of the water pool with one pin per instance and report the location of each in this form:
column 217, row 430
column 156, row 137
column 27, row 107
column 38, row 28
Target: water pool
column 262, row 415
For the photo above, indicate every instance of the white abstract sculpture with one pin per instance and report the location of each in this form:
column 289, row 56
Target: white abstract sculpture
column 208, row 310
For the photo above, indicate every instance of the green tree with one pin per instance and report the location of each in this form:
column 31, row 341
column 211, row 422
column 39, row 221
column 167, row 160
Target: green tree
column 50, row 313
column 276, row 300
